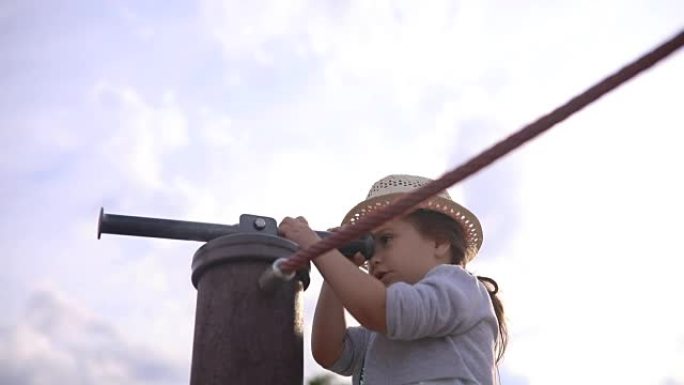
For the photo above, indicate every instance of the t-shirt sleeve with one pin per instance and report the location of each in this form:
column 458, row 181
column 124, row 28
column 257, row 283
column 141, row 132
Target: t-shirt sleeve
column 354, row 352
column 442, row 303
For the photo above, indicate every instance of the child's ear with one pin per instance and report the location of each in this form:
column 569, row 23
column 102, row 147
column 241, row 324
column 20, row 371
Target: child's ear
column 443, row 250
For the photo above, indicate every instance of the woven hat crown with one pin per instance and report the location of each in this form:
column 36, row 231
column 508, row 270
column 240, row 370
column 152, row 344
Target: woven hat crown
column 392, row 187
column 400, row 184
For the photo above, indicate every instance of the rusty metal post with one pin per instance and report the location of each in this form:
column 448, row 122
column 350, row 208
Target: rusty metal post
column 242, row 334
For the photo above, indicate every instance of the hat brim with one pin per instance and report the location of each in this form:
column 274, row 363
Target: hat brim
column 468, row 221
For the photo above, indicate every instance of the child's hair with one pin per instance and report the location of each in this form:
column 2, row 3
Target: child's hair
column 438, row 226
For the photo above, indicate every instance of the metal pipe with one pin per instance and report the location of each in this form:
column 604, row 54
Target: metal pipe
column 161, row 228
column 202, row 232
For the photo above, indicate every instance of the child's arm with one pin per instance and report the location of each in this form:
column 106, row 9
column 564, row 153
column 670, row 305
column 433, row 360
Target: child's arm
column 327, row 335
column 362, row 295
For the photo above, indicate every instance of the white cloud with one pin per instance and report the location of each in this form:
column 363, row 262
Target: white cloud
column 405, row 48
column 409, row 49
column 142, row 135
column 60, row 342
column 243, row 28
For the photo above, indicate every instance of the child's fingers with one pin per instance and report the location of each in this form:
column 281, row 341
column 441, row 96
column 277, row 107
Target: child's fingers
column 289, row 226
column 297, row 230
column 358, row 259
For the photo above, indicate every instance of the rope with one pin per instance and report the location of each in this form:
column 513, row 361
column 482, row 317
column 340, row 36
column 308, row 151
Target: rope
column 402, row 206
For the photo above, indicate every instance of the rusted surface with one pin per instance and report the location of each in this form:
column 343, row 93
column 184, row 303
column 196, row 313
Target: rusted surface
column 243, row 335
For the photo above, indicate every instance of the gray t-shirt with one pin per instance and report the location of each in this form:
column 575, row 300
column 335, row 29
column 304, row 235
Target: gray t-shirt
column 442, row 328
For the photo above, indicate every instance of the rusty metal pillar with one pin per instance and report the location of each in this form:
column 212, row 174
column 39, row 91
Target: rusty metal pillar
column 242, row 334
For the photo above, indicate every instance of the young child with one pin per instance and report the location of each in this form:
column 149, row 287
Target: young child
column 424, row 318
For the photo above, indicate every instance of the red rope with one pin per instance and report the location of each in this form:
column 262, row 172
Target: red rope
column 371, row 221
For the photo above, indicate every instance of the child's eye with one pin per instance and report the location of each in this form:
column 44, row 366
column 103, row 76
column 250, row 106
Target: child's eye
column 384, row 239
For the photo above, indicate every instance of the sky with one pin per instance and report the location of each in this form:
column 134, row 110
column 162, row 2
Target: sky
column 209, row 109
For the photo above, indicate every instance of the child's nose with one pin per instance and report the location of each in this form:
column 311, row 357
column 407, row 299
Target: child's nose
column 376, row 258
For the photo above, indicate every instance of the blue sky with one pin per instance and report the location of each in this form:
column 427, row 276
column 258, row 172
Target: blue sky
column 206, row 110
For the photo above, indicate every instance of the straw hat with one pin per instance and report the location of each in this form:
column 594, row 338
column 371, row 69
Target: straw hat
column 390, row 188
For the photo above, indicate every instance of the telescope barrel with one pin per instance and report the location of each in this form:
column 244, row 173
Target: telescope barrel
column 198, row 231
column 161, row 228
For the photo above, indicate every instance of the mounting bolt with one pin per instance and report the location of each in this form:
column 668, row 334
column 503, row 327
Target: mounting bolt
column 260, row 223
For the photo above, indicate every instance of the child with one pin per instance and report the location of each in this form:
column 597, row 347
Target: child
column 424, row 318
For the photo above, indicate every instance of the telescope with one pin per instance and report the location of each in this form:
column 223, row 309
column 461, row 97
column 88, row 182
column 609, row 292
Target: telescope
column 205, row 232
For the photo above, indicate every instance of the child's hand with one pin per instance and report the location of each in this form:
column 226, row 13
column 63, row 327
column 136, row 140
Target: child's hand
column 298, row 231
